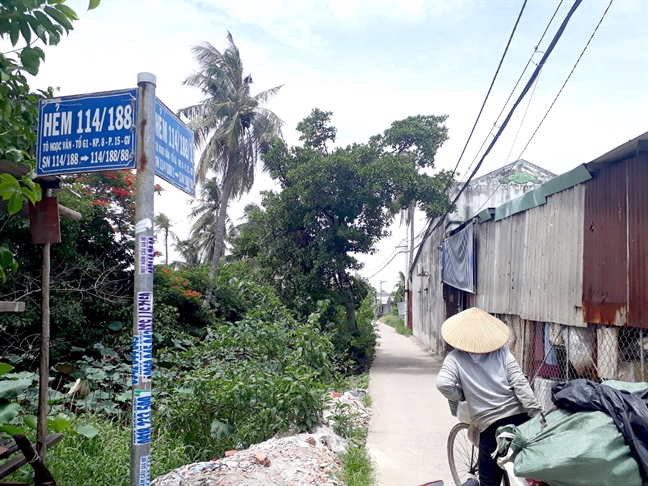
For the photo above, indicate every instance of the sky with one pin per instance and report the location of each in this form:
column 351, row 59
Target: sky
column 374, row 62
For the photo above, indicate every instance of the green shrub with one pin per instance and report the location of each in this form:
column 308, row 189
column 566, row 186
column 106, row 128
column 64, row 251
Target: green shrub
column 105, row 459
column 247, row 381
column 397, row 323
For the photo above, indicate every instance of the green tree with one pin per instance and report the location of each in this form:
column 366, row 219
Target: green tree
column 91, row 282
column 25, row 23
column 189, row 252
column 205, row 211
column 231, row 125
column 163, row 226
column 399, row 289
column 416, row 140
column 334, row 204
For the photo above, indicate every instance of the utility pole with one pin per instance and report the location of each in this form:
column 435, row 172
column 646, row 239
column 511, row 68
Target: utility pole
column 144, row 253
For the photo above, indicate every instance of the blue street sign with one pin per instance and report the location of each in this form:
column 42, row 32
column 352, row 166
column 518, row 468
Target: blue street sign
column 174, row 153
column 87, row 133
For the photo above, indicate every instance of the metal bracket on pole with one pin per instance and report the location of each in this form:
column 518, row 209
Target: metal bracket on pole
column 143, row 305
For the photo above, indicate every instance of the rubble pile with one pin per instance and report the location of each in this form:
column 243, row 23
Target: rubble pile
column 297, row 460
column 348, row 404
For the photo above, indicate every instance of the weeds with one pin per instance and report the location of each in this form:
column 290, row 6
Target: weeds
column 357, row 469
column 397, row 323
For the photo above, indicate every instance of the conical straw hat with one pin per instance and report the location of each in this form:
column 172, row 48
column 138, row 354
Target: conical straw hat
column 475, row 331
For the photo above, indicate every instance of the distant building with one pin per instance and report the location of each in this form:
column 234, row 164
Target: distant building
column 498, row 187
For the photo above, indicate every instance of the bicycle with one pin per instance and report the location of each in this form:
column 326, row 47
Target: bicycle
column 463, row 452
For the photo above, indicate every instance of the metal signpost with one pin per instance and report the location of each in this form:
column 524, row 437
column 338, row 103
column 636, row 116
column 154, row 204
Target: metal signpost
column 87, row 133
column 123, row 130
column 173, row 150
column 143, row 308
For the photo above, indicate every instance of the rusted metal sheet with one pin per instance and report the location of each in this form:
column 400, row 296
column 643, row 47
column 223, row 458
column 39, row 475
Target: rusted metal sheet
column 605, row 255
column 530, row 264
column 44, row 221
column 637, row 168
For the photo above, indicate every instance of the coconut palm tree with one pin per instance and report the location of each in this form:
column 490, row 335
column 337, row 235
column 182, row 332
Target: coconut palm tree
column 205, row 211
column 163, row 226
column 231, row 126
column 190, row 253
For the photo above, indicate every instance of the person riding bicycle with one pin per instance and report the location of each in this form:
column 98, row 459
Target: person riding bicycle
column 482, row 371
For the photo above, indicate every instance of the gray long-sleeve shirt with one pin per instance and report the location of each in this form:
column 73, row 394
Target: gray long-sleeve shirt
column 494, row 387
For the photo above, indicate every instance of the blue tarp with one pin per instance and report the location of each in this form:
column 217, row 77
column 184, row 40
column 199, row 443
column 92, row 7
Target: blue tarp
column 458, row 268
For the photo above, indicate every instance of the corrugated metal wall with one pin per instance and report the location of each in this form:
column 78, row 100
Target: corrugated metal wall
column 638, row 240
column 580, row 258
column 428, row 307
column 615, row 281
column 530, row 264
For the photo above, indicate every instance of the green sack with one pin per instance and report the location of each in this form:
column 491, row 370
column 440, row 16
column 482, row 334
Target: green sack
column 574, row 449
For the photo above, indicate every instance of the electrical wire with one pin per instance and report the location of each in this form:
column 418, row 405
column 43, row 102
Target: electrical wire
column 522, row 122
column 528, row 85
column 488, row 93
column 390, row 255
column 569, row 76
column 535, row 50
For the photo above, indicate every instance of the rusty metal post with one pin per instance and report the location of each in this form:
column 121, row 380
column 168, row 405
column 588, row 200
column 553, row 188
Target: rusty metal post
column 143, row 305
column 43, row 381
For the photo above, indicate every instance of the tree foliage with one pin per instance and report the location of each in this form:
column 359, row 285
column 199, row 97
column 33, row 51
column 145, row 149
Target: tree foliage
column 232, row 127
column 335, row 204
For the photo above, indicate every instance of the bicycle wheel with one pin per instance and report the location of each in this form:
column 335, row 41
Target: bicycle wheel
column 463, row 456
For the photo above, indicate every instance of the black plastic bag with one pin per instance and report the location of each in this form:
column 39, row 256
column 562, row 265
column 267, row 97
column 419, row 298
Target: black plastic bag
column 628, row 410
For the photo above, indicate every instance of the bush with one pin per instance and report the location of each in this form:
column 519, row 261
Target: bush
column 397, row 323
column 247, row 381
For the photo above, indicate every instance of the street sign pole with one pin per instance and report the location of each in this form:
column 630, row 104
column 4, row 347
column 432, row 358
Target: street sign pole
column 143, row 305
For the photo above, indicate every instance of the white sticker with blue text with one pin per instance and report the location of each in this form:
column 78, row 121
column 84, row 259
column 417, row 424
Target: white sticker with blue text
column 146, row 255
column 142, row 417
column 145, row 471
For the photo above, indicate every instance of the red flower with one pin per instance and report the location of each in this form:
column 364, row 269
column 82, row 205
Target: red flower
column 167, row 271
column 121, row 192
column 158, row 188
column 157, row 253
column 110, row 175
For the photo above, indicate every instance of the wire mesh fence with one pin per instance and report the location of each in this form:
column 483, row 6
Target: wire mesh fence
column 549, row 353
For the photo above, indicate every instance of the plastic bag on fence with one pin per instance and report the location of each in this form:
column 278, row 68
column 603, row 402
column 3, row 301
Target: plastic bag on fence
column 574, row 449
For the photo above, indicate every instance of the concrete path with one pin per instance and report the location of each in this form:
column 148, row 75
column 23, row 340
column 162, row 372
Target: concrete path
column 411, row 420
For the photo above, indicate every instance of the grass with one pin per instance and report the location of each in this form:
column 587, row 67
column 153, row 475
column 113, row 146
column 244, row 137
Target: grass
column 105, row 459
column 397, row 323
column 343, row 383
column 357, row 469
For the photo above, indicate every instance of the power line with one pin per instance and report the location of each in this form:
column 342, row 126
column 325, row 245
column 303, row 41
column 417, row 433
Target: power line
column 566, row 80
column 385, row 266
column 523, row 118
column 488, row 93
column 528, row 85
column 390, row 255
column 509, row 154
column 535, row 50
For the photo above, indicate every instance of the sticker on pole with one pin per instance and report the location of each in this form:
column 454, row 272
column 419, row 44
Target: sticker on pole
column 144, row 471
column 141, row 417
column 174, row 151
column 87, row 133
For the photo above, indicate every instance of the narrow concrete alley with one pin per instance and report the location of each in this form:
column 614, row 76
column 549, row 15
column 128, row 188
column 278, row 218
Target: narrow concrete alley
column 411, row 421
